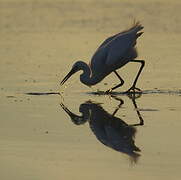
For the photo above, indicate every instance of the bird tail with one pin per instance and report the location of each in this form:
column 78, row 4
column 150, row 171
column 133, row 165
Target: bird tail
column 138, row 27
column 135, row 28
column 139, row 34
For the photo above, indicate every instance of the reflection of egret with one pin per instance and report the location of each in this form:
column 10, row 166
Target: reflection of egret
column 108, row 129
column 112, row 54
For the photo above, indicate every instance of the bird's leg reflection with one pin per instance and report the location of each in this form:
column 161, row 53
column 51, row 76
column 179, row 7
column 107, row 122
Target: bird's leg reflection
column 119, row 106
column 138, row 113
column 133, row 97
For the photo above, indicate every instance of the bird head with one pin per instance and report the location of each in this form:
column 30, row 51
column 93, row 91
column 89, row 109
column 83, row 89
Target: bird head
column 75, row 68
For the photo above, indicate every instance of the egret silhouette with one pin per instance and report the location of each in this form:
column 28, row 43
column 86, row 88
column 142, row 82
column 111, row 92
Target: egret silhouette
column 112, row 54
column 111, row 131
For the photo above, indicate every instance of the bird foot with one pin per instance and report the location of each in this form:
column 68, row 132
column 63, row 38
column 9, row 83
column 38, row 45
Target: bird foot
column 109, row 91
column 132, row 93
column 133, row 90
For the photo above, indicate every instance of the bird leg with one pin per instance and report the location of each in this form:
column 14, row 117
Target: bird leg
column 122, row 82
column 133, row 87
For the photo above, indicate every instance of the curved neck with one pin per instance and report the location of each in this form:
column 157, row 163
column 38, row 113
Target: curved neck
column 86, row 77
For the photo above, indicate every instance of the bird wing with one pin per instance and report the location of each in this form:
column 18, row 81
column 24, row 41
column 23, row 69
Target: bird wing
column 118, row 48
column 106, row 41
column 99, row 57
column 122, row 45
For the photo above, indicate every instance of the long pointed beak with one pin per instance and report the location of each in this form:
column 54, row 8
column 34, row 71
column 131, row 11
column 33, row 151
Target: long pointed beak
column 67, row 76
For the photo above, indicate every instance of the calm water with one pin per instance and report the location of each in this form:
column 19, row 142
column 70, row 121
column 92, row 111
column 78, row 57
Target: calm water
column 122, row 137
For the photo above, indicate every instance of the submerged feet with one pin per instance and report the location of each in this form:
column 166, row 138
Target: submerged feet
column 132, row 90
column 109, row 91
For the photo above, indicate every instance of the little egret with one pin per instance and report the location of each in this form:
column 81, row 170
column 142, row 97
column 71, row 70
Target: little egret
column 112, row 54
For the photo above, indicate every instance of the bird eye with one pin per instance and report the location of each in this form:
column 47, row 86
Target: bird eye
column 74, row 67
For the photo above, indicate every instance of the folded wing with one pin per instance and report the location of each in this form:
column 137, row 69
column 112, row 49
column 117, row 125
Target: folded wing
column 121, row 47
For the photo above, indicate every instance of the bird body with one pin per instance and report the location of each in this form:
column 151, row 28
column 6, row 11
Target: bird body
column 112, row 54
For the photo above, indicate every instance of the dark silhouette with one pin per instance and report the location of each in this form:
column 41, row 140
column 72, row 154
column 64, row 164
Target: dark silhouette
column 109, row 129
column 115, row 52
